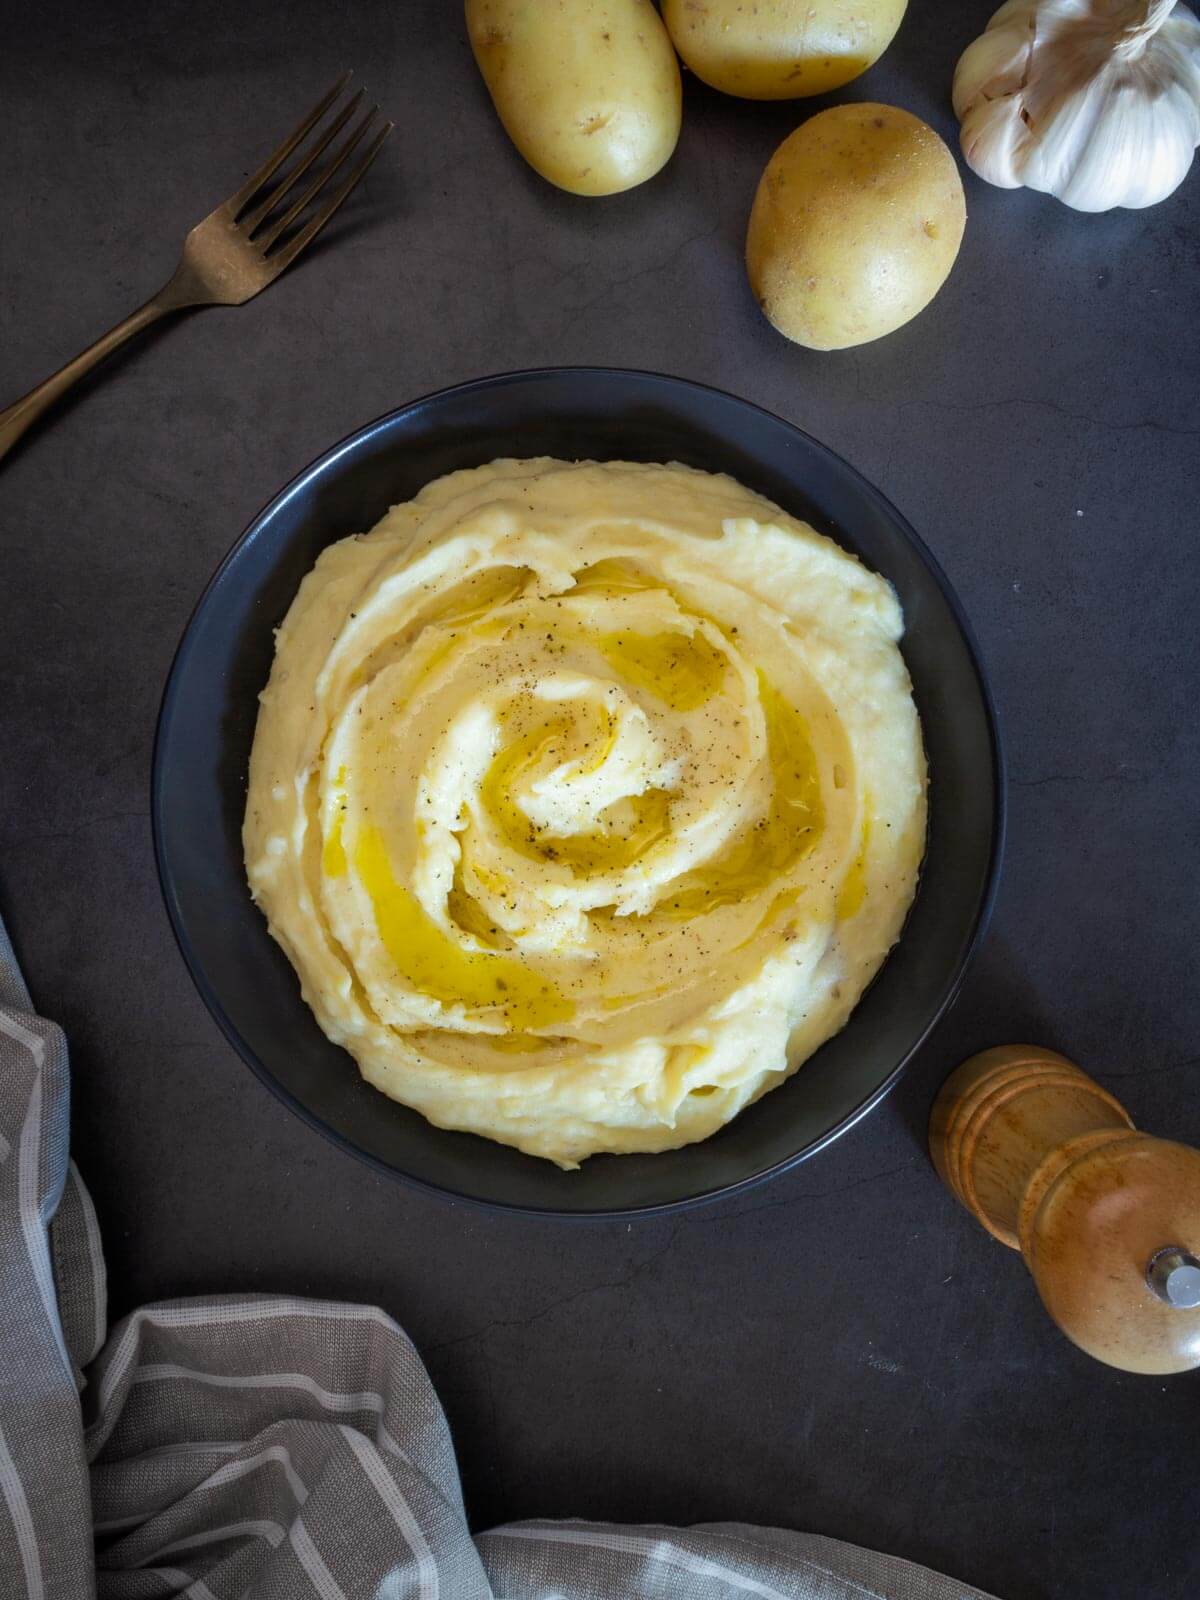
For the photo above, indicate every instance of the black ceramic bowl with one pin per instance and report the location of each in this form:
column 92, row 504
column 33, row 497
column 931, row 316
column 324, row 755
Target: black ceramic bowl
column 207, row 724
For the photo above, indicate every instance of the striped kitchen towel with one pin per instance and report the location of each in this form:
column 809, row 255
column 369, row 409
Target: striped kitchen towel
column 271, row 1448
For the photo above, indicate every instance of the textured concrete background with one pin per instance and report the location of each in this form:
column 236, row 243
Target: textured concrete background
column 842, row 1350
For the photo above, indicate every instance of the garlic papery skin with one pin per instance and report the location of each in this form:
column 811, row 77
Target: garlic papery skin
column 1094, row 101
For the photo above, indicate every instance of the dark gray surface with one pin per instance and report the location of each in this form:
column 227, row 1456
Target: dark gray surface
column 842, row 1351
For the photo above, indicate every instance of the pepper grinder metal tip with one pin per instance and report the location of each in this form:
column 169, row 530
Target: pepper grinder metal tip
column 1174, row 1275
column 1107, row 1218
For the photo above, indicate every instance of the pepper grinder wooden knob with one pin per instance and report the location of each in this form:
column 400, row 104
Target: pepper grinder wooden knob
column 1107, row 1218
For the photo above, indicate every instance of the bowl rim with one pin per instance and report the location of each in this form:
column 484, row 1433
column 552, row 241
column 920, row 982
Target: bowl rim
column 316, row 468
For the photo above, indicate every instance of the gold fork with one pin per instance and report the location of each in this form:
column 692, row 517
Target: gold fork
column 237, row 250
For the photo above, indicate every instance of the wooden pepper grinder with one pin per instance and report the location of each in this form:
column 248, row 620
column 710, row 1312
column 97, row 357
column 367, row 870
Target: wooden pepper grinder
column 1107, row 1218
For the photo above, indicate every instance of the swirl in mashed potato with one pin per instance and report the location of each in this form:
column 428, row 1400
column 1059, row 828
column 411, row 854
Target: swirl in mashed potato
column 586, row 799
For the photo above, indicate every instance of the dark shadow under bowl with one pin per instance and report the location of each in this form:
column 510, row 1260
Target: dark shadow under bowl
column 207, row 724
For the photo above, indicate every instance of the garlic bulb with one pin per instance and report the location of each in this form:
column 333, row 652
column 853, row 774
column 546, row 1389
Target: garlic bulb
column 1095, row 101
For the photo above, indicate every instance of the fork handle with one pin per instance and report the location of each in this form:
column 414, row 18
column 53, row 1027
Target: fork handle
column 24, row 412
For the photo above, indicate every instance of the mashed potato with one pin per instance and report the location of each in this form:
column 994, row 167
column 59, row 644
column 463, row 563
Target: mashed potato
column 586, row 799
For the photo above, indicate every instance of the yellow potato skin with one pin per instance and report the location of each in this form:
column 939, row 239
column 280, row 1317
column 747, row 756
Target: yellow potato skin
column 855, row 225
column 781, row 49
column 587, row 90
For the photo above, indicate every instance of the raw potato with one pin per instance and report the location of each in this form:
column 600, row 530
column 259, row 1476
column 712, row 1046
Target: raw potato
column 855, row 225
column 781, row 49
column 587, row 90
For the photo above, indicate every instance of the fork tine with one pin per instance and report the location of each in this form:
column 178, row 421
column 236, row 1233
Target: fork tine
column 288, row 254
column 278, row 157
column 253, row 218
column 318, row 183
